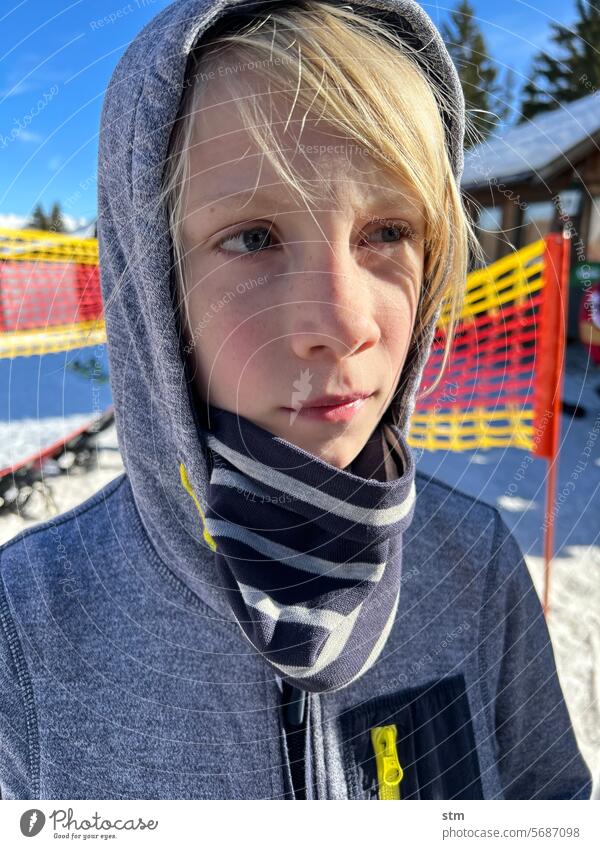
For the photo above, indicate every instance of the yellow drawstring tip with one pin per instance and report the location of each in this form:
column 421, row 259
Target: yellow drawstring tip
column 188, row 488
column 208, row 539
column 184, row 478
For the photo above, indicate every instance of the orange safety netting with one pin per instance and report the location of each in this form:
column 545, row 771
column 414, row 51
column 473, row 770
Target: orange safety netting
column 493, row 392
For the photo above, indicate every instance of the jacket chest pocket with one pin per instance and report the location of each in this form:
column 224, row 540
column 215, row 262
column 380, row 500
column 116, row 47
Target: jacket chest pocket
column 412, row 744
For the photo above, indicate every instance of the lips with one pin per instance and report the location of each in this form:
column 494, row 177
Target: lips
column 336, row 400
column 343, row 408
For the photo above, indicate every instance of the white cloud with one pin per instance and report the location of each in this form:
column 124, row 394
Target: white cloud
column 27, row 136
column 83, row 226
column 12, row 221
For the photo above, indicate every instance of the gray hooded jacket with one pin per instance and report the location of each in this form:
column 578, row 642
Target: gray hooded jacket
column 123, row 673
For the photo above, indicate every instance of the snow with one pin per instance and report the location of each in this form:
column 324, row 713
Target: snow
column 59, row 492
column 534, row 144
column 19, row 439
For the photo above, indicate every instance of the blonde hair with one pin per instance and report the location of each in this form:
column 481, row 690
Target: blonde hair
column 396, row 119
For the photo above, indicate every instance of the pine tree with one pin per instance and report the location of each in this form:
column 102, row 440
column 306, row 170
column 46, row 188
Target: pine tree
column 575, row 69
column 506, row 96
column 56, row 223
column 38, row 219
column 479, row 76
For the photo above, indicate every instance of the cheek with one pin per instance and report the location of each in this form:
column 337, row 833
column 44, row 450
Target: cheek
column 224, row 304
column 395, row 339
column 231, row 349
column 230, row 325
column 396, row 314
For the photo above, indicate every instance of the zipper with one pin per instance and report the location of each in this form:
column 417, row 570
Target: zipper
column 389, row 771
column 294, row 724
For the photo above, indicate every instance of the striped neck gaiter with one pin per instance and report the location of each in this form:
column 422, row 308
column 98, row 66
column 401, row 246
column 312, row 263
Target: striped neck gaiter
column 310, row 555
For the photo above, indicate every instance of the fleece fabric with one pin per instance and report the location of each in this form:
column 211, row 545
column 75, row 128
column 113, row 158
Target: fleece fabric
column 123, row 670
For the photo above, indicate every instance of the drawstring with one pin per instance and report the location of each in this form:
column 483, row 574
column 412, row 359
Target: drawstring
column 188, row 488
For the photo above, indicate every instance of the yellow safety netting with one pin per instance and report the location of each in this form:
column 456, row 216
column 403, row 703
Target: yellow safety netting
column 45, row 246
column 501, row 310
column 53, row 340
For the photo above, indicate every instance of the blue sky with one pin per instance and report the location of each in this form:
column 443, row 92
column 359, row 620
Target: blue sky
column 57, row 57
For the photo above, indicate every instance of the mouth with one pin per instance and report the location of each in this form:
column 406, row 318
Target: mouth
column 332, row 408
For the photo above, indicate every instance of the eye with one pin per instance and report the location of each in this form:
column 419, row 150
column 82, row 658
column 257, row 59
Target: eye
column 394, row 231
column 256, row 239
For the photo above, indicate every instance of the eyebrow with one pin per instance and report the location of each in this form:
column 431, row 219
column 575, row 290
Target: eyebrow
column 238, row 197
column 384, row 195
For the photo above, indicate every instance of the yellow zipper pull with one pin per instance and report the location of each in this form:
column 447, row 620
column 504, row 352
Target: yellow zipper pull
column 389, row 771
column 190, row 491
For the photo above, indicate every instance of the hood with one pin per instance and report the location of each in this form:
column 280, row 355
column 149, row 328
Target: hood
column 156, row 420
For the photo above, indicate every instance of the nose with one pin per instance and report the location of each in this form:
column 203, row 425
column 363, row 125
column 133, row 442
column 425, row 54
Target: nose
column 332, row 309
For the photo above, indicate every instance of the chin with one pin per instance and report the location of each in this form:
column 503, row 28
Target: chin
column 336, row 454
column 337, row 445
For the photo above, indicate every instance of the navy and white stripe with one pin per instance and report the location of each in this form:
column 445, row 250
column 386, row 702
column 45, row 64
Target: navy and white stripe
column 311, row 555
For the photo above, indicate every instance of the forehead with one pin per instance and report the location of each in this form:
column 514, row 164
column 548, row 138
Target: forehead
column 225, row 161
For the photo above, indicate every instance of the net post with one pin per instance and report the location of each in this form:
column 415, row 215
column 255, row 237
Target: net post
column 550, row 373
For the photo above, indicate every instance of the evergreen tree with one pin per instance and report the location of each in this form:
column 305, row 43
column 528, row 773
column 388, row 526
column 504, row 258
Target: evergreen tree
column 56, row 223
column 38, row 219
column 575, row 69
column 479, row 76
column 506, row 95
